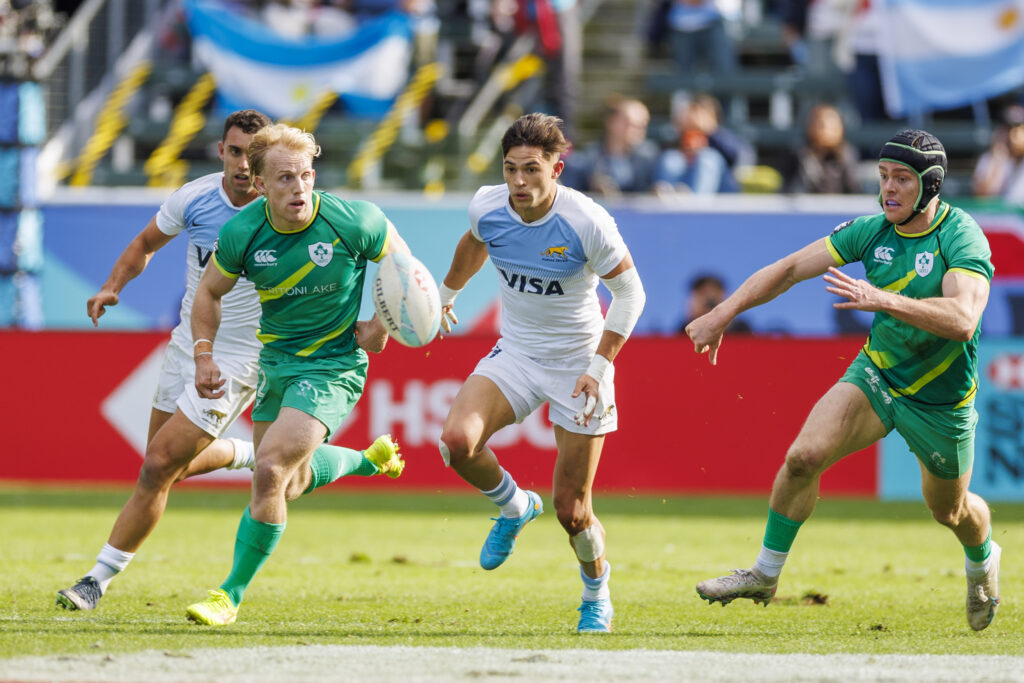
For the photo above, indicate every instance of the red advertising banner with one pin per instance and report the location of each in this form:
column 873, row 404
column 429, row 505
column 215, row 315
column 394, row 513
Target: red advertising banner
column 76, row 404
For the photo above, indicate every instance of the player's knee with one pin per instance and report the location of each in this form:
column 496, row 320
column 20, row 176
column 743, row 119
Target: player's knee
column 572, row 514
column 159, row 470
column 269, row 475
column 948, row 515
column 803, row 461
column 455, row 447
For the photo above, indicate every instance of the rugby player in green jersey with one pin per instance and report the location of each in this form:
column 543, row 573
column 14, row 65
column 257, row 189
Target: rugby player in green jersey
column 306, row 254
column 928, row 267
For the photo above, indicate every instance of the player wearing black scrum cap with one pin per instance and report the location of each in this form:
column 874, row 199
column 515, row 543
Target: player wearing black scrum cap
column 928, row 267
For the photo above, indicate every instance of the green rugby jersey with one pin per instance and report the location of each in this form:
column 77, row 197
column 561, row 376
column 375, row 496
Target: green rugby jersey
column 918, row 365
column 310, row 280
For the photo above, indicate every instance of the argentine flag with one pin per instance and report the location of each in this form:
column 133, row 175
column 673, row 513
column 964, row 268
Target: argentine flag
column 255, row 67
column 942, row 54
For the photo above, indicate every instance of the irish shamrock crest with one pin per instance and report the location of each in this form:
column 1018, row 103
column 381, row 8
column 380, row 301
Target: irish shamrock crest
column 923, row 263
column 321, row 253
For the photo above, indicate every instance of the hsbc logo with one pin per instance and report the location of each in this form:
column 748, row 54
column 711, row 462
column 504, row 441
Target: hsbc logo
column 1006, row 371
column 265, row 257
column 419, row 409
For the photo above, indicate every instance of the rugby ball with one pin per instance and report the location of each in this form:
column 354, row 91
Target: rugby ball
column 405, row 296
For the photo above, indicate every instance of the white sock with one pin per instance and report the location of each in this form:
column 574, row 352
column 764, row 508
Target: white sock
column 597, row 589
column 512, row 500
column 245, row 455
column 109, row 563
column 978, row 570
column 770, row 562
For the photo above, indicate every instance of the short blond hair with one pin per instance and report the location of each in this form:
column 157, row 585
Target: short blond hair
column 279, row 135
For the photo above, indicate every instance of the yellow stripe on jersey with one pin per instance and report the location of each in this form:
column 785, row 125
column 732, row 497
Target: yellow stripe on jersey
column 882, row 359
column 296, row 277
column 267, row 338
column 933, row 373
column 970, row 395
column 312, row 348
column 901, row 283
column 969, row 273
column 384, row 249
column 233, row 276
column 835, row 254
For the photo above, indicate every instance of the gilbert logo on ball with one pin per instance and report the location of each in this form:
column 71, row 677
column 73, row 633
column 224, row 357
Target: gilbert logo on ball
column 405, row 296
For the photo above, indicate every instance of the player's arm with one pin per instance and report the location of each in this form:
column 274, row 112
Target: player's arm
column 129, row 265
column 206, row 308
column 470, row 256
column 372, row 335
column 394, row 243
column 761, row 287
column 628, row 298
column 954, row 315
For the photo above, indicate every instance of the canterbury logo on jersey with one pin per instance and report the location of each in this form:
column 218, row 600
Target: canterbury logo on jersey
column 265, row 257
column 532, row 285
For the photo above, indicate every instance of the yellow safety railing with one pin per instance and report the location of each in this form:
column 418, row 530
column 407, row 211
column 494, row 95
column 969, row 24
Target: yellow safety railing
column 164, row 166
column 109, row 124
column 386, row 133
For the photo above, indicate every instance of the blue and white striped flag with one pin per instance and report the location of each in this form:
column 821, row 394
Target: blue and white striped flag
column 255, row 67
column 942, row 54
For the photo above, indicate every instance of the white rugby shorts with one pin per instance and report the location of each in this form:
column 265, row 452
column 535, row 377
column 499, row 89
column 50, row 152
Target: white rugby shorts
column 528, row 382
column 176, row 388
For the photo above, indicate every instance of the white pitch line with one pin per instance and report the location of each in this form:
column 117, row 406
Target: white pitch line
column 324, row 663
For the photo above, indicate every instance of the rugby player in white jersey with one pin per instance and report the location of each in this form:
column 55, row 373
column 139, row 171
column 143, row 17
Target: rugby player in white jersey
column 549, row 245
column 184, row 429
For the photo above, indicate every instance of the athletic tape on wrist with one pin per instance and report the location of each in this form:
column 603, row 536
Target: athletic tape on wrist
column 598, row 366
column 447, row 294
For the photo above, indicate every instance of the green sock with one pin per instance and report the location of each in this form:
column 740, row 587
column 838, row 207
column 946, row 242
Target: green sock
column 780, row 532
column 979, row 553
column 331, row 463
column 253, row 545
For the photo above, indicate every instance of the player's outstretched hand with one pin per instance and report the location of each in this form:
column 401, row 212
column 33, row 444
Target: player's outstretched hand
column 97, row 305
column 860, row 294
column 588, row 386
column 208, row 380
column 448, row 318
column 706, row 335
column 371, row 335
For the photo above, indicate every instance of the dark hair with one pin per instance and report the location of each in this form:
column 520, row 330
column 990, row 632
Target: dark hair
column 247, row 120
column 535, row 130
column 702, row 279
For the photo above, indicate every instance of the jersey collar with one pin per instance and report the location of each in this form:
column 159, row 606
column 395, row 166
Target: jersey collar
column 316, row 210
column 939, row 217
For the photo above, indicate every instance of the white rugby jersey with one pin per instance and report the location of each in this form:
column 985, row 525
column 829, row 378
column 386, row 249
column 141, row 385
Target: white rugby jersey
column 200, row 208
column 548, row 270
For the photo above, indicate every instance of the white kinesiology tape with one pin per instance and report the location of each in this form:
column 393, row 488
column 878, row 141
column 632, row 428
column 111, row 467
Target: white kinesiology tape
column 446, row 454
column 589, row 544
column 447, row 295
column 628, row 299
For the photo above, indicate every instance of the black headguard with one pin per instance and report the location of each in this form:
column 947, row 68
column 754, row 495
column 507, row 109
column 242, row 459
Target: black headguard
column 922, row 153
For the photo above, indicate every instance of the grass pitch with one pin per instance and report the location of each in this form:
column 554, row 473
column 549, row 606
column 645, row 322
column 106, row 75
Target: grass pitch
column 373, row 569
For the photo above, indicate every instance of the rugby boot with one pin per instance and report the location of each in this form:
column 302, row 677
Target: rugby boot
column 742, row 583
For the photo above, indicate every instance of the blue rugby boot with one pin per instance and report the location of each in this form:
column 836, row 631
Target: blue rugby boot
column 502, row 538
column 595, row 616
